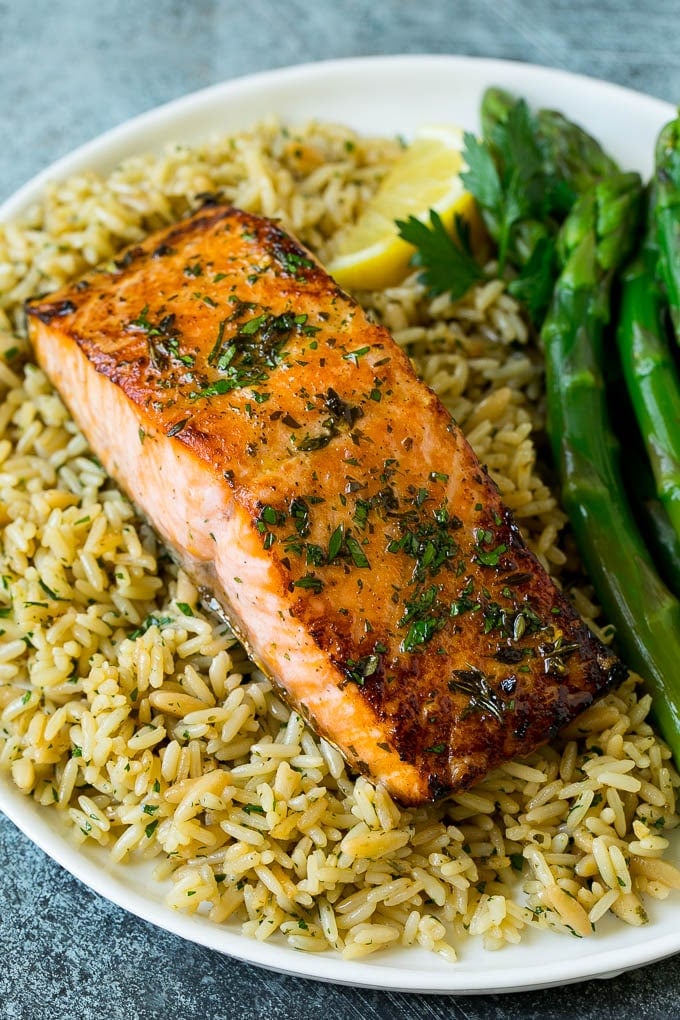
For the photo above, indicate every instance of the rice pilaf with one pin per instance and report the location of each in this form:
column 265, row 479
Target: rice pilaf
column 133, row 711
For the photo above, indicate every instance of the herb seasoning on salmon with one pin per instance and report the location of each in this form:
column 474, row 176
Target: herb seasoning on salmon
column 281, row 444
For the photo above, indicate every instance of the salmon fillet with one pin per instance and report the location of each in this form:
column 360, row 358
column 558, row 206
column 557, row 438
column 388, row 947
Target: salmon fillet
column 282, row 446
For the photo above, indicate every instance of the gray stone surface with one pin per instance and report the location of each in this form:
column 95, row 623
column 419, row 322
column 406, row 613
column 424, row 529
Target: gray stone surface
column 72, row 69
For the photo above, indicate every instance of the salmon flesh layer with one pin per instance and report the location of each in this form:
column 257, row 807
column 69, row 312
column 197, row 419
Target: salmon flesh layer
column 282, row 446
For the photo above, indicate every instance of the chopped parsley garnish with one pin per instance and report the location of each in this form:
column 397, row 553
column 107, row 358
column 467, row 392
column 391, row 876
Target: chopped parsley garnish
column 429, row 541
column 48, row 591
column 516, row 862
column 355, row 355
column 465, row 604
column 151, row 828
column 421, row 631
column 424, row 616
column 359, row 557
column 488, row 557
column 294, row 261
column 212, row 357
column 251, row 352
column 151, row 621
column 163, row 339
column 358, row 670
column 310, row 582
column 216, row 389
column 142, row 322
column 336, row 542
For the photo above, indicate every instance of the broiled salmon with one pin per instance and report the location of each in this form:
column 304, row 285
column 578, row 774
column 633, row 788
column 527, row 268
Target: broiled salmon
column 281, row 444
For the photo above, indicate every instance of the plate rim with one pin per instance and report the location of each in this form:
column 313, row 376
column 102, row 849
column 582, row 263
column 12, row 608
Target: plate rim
column 29, row 817
column 104, row 881
column 169, row 110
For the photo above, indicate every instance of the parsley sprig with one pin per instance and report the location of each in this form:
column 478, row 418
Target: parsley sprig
column 507, row 175
column 517, row 195
column 446, row 265
column 525, row 174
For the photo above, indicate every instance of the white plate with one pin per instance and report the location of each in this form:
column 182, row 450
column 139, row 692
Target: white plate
column 385, row 95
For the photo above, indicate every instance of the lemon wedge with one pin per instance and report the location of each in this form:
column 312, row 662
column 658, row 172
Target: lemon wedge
column 370, row 254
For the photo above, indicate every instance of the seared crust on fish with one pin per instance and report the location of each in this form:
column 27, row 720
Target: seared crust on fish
column 282, row 446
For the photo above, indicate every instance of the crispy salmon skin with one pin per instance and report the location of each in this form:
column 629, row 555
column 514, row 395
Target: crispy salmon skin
column 282, row 446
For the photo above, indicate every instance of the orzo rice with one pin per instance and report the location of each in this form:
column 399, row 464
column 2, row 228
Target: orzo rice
column 134, row 711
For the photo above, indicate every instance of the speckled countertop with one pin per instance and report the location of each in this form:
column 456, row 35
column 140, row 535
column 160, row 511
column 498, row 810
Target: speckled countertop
column 72, row 69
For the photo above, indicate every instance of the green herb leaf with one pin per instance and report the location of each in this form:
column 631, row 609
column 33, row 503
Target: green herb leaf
column 516, row 862
column 48, row 591
column 420, row 632
column 535, row 283
column 490, row 557
column 358, row 555
column 335, row 542
column 355, row 355
column 518, row 144
column 446, row 266
column 481, row 177
column 252, row 325
column 216, row 389
column 151, row 620
column 310, row 582
column 507, row 176
column 151, row 828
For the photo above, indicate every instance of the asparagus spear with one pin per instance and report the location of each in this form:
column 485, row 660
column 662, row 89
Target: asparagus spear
column 494, row 111
column 595, row 240
column 666, row 214
column 653, row 520
column 572, row 155
column 659, row 534
column 651, row 378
